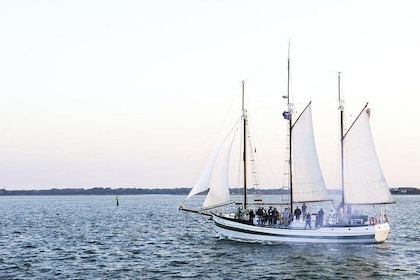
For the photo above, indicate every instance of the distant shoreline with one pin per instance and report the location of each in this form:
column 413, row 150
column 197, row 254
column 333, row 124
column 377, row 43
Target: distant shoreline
column 94, row 191
column 405, row 191
column 127, row 191
column 176, row 191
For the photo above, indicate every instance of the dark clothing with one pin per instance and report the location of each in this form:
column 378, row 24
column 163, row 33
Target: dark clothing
column 270, row 216
column 251, row 215
column 275, row 216
column 297, row 213
column 259, row 215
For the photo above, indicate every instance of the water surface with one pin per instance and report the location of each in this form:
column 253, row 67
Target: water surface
column 146, row 237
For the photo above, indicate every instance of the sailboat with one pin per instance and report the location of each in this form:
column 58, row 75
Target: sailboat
column 362, row 183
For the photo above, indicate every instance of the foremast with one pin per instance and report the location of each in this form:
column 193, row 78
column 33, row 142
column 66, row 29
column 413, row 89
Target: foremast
column 245, row 125
column 341, row 109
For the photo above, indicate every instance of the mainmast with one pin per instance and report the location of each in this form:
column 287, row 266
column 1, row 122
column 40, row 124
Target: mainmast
column 245, row 121
column 341, row 108
column 290, row 130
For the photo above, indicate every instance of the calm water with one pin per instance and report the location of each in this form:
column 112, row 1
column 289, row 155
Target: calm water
column 146, row 237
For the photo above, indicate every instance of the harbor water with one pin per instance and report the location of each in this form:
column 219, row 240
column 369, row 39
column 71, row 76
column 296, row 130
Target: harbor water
column 147, row 237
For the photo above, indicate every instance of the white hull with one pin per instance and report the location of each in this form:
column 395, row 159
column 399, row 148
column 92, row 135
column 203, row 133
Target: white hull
column 351, row 234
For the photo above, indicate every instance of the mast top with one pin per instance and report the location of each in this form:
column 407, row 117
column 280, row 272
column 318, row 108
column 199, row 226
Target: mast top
column 243, row 100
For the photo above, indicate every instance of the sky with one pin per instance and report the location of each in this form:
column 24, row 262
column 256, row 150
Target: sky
column 115, row 94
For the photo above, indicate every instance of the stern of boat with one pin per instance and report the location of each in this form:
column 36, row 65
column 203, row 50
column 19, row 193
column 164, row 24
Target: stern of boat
column 381, row 232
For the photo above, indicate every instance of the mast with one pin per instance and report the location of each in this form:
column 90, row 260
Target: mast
column 244, row 151
column 341, row 108
column 290, row 130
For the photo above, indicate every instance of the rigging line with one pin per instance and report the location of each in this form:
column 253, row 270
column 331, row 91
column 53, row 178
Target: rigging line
column 358, row 116
column 277, row 107
column 218, row 205
column 202, row 220
column 253, row 160
column 337, row 166
column 223, row 123
column 239, row 177
column 207, row 225
column 299, row 115
column 235, row 126
column 276, row 182
column 229, row 111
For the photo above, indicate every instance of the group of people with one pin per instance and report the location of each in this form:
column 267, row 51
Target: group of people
column 273, row 217
column 270, row 216
column 319, row 219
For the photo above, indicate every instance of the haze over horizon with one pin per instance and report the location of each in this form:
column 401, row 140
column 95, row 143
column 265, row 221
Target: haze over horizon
column 134, row 93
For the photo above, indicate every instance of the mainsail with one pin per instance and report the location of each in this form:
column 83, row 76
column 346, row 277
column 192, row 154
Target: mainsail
column 308, row 182
column 364, row 182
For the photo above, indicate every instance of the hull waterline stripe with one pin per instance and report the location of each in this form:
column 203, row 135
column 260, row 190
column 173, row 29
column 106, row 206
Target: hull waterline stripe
column 366, row 236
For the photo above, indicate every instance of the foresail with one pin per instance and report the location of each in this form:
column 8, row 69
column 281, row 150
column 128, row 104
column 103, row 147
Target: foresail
column 219, row 193
column 308, row 182
column 203, row 183
column 214, row 176
column 364, row 182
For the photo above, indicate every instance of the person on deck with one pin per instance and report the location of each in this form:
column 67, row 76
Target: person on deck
column 239, row 213
column 259, row 216
column 285, row 216
column 340, row 213
column 320, row 218
column 275, row 215
column 331, row 218
column 297, row 213
column 264, row 216
column 304, row 207
column 270, row 215
column 251, row 215
column 308, row 220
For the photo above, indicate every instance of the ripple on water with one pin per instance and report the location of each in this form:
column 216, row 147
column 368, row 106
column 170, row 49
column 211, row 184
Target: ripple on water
column 147, row 237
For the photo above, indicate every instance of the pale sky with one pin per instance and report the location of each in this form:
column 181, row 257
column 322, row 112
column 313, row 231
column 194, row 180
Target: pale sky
column 133, row 93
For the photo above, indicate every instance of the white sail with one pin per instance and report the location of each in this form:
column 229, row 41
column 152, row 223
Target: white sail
column 308, row 182
column 364, row 182
column 219, row 193
column 215, row 175
column 203, row 183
